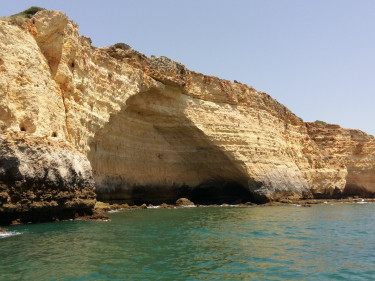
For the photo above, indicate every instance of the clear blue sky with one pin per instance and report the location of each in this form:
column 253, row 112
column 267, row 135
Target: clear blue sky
column 316, row 57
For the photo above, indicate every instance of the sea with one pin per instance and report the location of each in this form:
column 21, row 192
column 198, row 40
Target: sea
column 332, row 241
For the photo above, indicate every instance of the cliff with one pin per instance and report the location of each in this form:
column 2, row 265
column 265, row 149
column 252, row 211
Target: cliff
column 352, row 147
column 144, row 129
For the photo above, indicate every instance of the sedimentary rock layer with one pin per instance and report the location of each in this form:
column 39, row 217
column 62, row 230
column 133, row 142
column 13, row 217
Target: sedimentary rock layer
column 355, row 149
column 150, row 129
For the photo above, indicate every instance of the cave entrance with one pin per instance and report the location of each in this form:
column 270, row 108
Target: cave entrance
column 154, row 151
column 220, row 192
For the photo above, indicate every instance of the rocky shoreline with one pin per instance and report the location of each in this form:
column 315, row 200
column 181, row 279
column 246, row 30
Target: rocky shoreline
column 102, row 209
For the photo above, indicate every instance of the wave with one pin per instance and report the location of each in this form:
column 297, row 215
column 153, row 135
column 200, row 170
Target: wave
column 9, row 234
column 114, row 211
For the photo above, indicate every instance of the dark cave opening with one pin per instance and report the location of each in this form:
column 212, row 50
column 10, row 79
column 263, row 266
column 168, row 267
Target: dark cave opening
column 220, row 192
column 207, row 193
column 352, row 190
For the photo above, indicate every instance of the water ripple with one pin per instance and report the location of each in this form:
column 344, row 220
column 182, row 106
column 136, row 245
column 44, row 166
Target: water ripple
column 324, row 242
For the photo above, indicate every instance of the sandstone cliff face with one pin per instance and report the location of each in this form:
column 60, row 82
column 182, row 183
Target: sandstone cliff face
column 41, row 176
column 151, row 129
column 355, row 149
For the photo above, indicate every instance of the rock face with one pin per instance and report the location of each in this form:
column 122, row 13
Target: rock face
column 41, row 180
column 149, row 129
column 355, row 149
column 42, row 177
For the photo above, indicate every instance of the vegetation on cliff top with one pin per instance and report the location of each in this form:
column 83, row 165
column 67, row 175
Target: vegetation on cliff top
column 122, row 46
column 320, row 123
column 29, row 13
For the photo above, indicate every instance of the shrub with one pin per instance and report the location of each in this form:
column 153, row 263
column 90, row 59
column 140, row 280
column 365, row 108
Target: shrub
column 122, row 46
column 30, row 12
column 320, row 123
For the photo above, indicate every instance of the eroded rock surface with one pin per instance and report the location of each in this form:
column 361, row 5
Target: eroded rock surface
column 355, row 149
column 40, row 180
column 150, row 130
column 184, row 202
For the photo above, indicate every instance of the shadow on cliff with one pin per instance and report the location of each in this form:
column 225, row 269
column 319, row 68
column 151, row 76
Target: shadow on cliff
column 151, row 152
column 352, row 190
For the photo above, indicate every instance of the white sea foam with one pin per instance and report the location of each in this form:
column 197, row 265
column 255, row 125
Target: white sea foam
column 114, row 211
column 174, row 207
column 152, row 207
column 9, row 234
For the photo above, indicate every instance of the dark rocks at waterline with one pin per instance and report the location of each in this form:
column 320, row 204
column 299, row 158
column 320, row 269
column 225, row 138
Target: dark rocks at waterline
column 41, row 182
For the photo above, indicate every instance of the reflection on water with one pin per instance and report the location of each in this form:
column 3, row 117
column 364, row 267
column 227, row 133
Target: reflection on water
column 324, row 242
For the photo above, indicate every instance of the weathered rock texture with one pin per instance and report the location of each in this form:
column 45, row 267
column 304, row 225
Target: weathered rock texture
column 355, row 149
column 40, row 180
column 152, row 130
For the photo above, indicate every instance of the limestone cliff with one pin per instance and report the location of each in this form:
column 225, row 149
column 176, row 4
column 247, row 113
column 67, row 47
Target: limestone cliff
column 152, row 130
column 355, row 149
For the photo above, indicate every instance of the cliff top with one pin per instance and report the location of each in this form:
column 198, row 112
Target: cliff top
column 167, row 70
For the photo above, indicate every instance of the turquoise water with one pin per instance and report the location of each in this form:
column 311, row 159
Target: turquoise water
column 324, row 242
